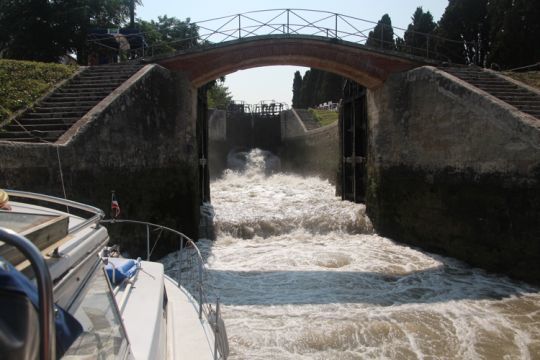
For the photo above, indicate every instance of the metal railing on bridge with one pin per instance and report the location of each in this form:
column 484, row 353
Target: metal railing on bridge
column 305, row 22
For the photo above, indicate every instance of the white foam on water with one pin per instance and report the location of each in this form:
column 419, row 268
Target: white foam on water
column 301, row 275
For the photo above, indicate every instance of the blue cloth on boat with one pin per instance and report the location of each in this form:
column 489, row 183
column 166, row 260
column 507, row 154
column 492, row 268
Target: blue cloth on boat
column 67, row 327
column 123, row 269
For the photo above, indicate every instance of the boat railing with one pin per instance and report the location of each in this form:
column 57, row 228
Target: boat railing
column 47, row 331
column 95, row 218
column 190, row 273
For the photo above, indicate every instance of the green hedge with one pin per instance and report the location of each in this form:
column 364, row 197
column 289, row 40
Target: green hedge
column 22, row 82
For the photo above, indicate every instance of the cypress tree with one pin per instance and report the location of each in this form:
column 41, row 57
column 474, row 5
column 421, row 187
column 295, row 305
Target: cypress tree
column 297, row 87
column 382, row 35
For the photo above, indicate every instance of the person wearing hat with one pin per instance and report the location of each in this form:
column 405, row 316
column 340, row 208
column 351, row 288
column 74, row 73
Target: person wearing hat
column 4, row 200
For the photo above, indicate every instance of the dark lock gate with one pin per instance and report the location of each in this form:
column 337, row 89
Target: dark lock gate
column 353, row 118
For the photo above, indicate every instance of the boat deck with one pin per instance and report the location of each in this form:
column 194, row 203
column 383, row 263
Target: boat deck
column 196, row 341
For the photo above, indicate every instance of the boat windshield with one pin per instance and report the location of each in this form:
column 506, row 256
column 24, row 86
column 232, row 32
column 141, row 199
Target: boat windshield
column 103, row 336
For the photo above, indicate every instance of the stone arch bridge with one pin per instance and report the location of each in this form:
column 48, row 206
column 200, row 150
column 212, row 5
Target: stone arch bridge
column 365, row 65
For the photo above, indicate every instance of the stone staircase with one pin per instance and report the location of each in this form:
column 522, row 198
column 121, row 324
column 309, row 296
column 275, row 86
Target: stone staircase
column 54, row 115
column 517, row 96
column 309, row 122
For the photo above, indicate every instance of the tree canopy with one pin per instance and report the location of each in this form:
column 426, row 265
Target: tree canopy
column 45, row 30
column 415, row 38
column 382, row 35
column 218, row 95
column 296, row 89
column 514, row 32
column 316, row 87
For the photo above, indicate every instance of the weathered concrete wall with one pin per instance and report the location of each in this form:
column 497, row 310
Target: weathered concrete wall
column 314, row 153
column 217, row 124
column 218, row 146
column 139, row 141
column 291, row 124
column 455, row 171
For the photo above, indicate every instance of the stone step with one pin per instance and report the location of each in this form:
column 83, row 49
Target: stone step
column 513, row 94
column 94, row 83
column 44, row 121
column 501, row 87
column 40, row 127
column 486, row 82
column 88, row 89
column 517, row 99
column 45, row 135
column 526, row 108
column 59, row 98
column 86, row 92
column 105, row 76
column 118, row 70
column 70, row 104
column 27, row 139
column 65, row 114
column 60, row 109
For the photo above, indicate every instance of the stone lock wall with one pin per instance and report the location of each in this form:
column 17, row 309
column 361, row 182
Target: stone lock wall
column 455, row 171
column 139, row 141
column 314, row 153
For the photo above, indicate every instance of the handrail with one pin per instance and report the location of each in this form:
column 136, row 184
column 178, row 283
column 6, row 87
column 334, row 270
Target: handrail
column 47, row 349
column 292, row 21
column 98, row 213
column 201, row 294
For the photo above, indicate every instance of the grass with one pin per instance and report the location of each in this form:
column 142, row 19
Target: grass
column 531, row 78
column 324, row 117
column 23, row 82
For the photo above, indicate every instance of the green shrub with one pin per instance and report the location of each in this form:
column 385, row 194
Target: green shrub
column 23, row 82
column 324, row 117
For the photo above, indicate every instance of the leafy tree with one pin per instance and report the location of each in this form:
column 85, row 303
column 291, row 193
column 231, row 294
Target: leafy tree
column 382, row 35
column 415, row 37
column 296, row 88
column 514, row 32
column 28, row 31
column 169, row 34
column 179, row 34
column 219, row 95
column 46, row 29
column 464, row 22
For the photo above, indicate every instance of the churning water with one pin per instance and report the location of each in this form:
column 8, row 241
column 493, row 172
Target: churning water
column 302, row 275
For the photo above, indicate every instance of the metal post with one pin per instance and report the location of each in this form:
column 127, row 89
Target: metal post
column 147, row 243
column 335, row 28
column 216, row 330
column 239, row 26
column 427, row 46
column 180, row 260
column 288, row 24
column 200, row 291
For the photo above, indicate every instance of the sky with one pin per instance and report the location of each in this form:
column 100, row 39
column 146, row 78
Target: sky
column 275, row 82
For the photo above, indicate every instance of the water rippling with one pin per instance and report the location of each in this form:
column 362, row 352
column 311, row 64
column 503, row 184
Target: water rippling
column 302, row 275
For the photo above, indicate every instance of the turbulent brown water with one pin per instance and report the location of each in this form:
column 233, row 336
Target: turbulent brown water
column 301, row 275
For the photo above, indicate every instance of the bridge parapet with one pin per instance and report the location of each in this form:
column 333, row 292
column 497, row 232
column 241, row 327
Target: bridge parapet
column 307, row 22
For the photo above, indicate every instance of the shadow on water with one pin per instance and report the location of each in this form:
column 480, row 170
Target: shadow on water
column 436, row 285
